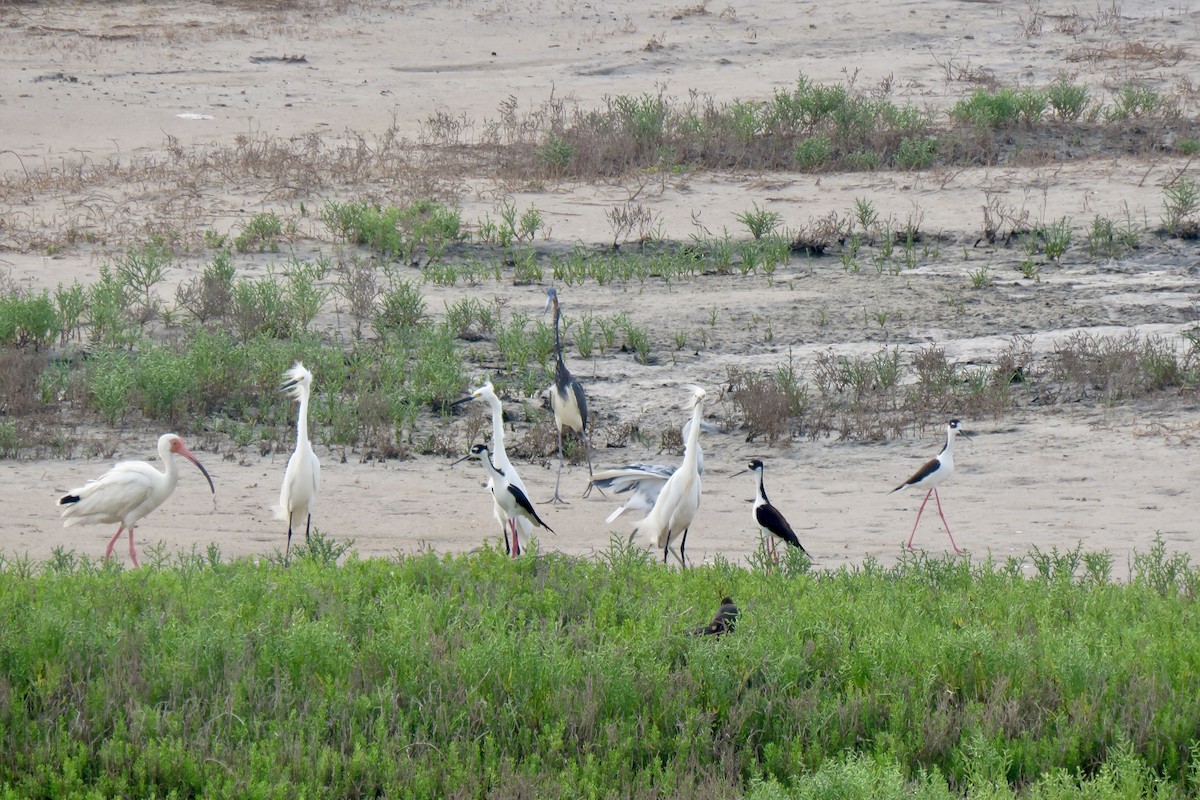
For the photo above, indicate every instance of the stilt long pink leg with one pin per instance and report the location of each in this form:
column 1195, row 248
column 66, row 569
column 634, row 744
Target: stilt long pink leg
column 132, row 552
column 516, row 543
column 113, row 541
column 947, row 524
column 918, row 522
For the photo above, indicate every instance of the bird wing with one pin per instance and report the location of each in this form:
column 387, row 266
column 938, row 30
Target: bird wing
column 673, row 510
column 526, row 506
column 581, row 401
column 930, row 467
column 301, row 481
column 113, row 495
column 769, row 517
column 622, row 479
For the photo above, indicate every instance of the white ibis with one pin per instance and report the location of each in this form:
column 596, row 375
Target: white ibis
column 643, row 481
column 770, row 522
column 568, row 401
column 510, row 498
column 128, row 492
column 679, row 499
column 303, row 476
column 500, row 459
column 932, row 474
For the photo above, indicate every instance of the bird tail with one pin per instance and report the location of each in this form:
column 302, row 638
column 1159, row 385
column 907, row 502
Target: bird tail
column 280, row 513
column 68, row 499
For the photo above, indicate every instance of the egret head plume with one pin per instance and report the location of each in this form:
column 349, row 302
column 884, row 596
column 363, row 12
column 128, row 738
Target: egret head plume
column 297, row 380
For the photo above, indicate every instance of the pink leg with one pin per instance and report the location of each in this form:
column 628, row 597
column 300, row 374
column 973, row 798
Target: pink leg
column 919, row 511
column 947, row 524
column 113, row 541
column 132, row 552
column 516, row 548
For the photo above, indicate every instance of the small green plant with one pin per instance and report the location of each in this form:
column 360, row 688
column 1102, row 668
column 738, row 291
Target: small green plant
column 862, row 161
column 141, row 269
column 1056, row 238
column 637, row 341
column 866, row 213
column 70, row 302
column 1068, row 101
column 759, row 221
column 980, row 278
column 1188, row 146
column 1132, row 101
column 556, row 154
column 1106, row 238
column 1181, row 200
column 813, row 153
column 210, row 296
column 110, row 378
column 1030, row 268
column 401, row 308
column 261, row 233
column 916, row 152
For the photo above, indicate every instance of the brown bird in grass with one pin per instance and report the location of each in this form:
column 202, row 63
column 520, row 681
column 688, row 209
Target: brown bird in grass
column 723, row 622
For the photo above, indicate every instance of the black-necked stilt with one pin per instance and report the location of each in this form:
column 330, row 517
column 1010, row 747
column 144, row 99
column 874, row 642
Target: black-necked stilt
column 723, row 622
column 302, row 478
column 932, row 475
column 519, row 525
column 511, row 498
column 128, row 492
column 643, row 481
column 568, row 402
column 677, row 503
column 767, row 517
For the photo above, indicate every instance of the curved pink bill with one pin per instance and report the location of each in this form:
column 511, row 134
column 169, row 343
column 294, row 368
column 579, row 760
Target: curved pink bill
column 181, row 448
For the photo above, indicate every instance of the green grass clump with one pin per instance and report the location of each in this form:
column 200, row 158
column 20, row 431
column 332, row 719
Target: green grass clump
column 477, row 676
column 28, row 319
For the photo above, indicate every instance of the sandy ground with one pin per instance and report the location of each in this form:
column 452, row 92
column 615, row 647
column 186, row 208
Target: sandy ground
column 97, row 80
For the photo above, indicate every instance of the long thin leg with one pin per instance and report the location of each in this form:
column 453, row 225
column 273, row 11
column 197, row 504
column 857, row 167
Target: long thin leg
column 132, row 551
column 947, row 524
column 113, row 541
column 516, row 551
column 307, row 528
column 288, row 549
column 587, row 448
column 507, row 546
column 919, row 510
column 682, row 545
column 556, row 498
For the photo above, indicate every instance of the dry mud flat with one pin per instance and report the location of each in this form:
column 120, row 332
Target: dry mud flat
column 81, row 83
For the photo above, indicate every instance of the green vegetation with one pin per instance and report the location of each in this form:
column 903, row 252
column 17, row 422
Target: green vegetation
column 474, row 676
column 881, row 395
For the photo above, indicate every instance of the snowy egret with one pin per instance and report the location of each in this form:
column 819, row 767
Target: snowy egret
column 568, row 401
column 303, row 476
column 643, row 481
column 128, row 492
column 500, row 459
column 679, row 499
column 767, row 517
column 934, row 472
column 509, row 497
